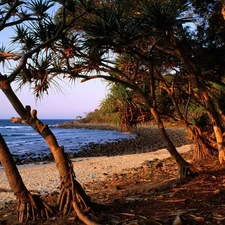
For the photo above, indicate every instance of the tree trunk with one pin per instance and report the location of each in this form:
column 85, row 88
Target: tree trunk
column 216, row 125
column 69, row 184
column 194, row 77
column 169, row 145
column 30, row 207
column 184, row 165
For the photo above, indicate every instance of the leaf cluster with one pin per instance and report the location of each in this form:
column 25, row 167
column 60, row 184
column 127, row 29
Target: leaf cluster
column 130, row 43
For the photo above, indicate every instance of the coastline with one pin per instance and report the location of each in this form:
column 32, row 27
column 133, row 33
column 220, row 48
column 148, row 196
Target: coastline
column 146, row 138
column 98, row 162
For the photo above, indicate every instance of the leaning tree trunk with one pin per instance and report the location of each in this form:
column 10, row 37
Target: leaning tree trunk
column 70, row 189
column 184, row 165
column 29, row 207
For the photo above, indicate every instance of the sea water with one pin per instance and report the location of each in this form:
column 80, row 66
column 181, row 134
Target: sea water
column 22, row 140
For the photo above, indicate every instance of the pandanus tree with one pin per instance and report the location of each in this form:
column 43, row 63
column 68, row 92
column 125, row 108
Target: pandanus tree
column 152, row 31
column 187, row 111
column 162, row 26
column 203, row 69
column 89, row 36
column 184, row 54
column 37, row 36
column 119, row 29
column 160, row 16
column 179, row 40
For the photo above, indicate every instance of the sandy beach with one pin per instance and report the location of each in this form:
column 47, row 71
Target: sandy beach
column 44, row 178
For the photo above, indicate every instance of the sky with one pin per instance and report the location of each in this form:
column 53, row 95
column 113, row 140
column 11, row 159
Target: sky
column 76, row 99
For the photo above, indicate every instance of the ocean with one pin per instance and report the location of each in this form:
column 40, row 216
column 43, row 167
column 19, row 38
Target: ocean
column 24, row 142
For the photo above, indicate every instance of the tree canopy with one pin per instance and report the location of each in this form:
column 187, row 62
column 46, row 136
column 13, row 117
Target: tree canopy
column 165, row 57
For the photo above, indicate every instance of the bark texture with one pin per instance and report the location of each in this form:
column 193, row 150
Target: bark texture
column 29, row 207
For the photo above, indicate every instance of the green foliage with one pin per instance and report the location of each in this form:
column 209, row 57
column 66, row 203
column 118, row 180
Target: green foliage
column 152, row 43
column 118, row 99
column 93, row 117
column 99, row 117
column 39, row 7
column 164, row 15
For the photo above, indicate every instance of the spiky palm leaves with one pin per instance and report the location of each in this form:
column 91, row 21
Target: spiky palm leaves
column 164, row 15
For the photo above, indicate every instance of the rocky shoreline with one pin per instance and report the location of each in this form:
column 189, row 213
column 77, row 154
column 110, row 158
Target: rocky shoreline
column 147, row 139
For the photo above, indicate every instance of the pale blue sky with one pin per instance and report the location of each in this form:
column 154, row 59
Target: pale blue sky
column 75, row 100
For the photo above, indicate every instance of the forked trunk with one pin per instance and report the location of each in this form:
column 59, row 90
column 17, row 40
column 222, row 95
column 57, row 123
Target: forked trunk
column 30, row 207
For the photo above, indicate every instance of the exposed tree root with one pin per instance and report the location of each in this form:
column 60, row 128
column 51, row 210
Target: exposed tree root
column 68, row 190
column 31, row 208
column 202, row 157
column 81, row 215
column 65, row 200
column 187, row 171
column 72, row 196
column 202, row 154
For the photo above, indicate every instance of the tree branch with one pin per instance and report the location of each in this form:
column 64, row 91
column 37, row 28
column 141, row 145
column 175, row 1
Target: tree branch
column 17, row 120
column 7, row 55
column 15, row 4
column 22, row 63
